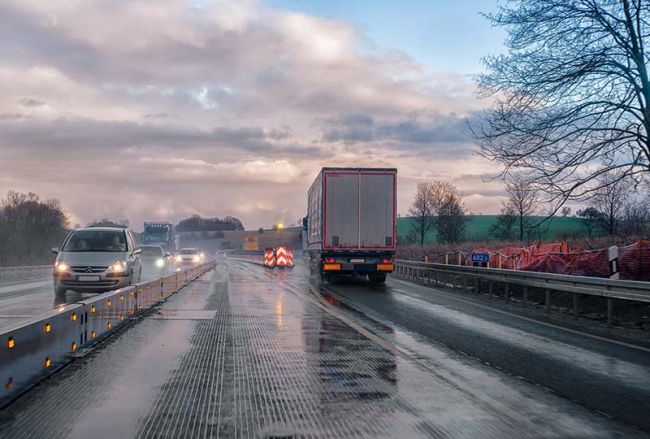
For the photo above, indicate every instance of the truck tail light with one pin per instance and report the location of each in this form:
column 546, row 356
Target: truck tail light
column 331, row 267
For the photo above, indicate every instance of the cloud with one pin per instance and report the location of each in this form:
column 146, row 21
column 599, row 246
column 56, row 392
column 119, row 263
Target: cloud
column 29, row 102
column 213, row 107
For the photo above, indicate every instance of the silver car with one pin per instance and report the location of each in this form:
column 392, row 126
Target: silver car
column 154, row 261
column 96, row 259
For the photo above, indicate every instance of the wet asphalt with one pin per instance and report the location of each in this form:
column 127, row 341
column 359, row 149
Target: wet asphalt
column 601, row 375
column 248, row 352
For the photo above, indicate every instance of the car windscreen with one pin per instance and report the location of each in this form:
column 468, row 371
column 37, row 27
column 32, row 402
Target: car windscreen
column 151, row 251
column 96, row 241
column 189, row 251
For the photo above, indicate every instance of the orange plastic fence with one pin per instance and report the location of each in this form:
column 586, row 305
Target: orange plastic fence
column 633, row 260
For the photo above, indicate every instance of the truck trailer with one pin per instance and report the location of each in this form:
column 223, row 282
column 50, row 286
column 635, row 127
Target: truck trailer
column 351, row 222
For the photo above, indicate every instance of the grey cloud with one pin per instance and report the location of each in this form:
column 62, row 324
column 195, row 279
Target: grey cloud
column 362, row 128
column 156, row 116
column 75, row 135
column 30, row 102
column 12, row 116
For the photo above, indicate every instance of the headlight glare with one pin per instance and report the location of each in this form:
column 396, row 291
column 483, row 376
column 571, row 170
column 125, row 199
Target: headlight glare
column 160, row 263
column 118, row 266
column 61, row 266
column 179, row 258
column 196, row 258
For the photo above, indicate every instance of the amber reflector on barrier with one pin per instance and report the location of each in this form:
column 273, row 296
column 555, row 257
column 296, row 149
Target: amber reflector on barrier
column 47, row 362
column 93, row 334
column 109, row 303
column 109, row 325
column 10, row 384
column 121, row 297
column 47, row 328
column 11, row 343
column 73, row 317
column 93, row 309
column 73, row 346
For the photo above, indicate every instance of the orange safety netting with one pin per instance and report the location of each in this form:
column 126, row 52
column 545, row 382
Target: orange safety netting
column 633, row 260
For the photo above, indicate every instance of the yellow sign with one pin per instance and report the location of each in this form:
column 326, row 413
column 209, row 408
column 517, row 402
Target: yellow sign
column 251, row 243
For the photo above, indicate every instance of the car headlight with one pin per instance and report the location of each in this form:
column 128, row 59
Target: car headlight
column 196, row 258
column 61, row 266
column 160, row 263
column 118, row 266
column 202, row 255
column 178, row 258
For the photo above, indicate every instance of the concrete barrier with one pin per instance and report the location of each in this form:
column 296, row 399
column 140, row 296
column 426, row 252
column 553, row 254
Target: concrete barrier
column 33, row 349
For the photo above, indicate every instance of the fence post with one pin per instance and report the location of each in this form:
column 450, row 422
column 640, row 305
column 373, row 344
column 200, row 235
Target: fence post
column 610, row 312
column 458, row 259
column 547, row 302
column 446, row 258
column 499, row 259
column 612, row 254
column 525, row 295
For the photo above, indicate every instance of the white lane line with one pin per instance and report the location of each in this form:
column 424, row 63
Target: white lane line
column 528, row 319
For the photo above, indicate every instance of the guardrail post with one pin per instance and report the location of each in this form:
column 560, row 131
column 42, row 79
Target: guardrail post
column 575, row 303
column 525, row 295
column 547, row 302
column 490, row 288
column 477, row 285
column 507, row 292
column 610, row 312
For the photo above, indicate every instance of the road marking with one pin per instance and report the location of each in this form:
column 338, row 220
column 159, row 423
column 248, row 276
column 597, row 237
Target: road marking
column 528, row 319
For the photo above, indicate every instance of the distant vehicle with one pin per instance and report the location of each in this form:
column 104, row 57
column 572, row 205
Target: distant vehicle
column 155, row 262
column 351, row 222
column 158, row 233
column 97, row 259
column 188, row 257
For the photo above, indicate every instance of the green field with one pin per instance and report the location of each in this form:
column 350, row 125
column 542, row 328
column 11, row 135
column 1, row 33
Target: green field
column 478, row 227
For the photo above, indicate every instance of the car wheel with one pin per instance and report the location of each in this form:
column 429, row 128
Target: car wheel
column 60, row 291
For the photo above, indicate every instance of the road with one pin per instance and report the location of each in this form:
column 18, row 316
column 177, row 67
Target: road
column 23, row 299
column 247, row 352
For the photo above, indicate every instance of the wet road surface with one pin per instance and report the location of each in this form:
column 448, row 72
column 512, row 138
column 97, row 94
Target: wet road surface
column 245, row 352
column 25, row 299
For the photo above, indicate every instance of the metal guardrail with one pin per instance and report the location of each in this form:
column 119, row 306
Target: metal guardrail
column 458, row 276
column 25, row 272
column 31, row 350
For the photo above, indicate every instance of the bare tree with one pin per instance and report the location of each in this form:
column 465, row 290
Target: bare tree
column 504, row 228
column 572, row 95
column 522, row 201
column 592, row 220
column 452, row 217
column 422, row 211
column 610, row 200
column 566, row 211
column 29, row 228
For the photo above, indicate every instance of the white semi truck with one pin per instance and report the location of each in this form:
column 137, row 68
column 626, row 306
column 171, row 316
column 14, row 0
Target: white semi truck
column 351, row 222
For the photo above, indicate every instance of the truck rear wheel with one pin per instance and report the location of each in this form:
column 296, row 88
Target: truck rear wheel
column 377, row 278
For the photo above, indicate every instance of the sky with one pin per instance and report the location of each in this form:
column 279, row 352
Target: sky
column 157, row 110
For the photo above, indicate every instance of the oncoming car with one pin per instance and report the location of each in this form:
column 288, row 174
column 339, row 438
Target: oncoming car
column 188, row 257
column 96, row 259
column 154, row 261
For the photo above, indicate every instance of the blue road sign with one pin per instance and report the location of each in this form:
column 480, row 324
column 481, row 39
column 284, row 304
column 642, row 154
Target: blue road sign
column 483, row 258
